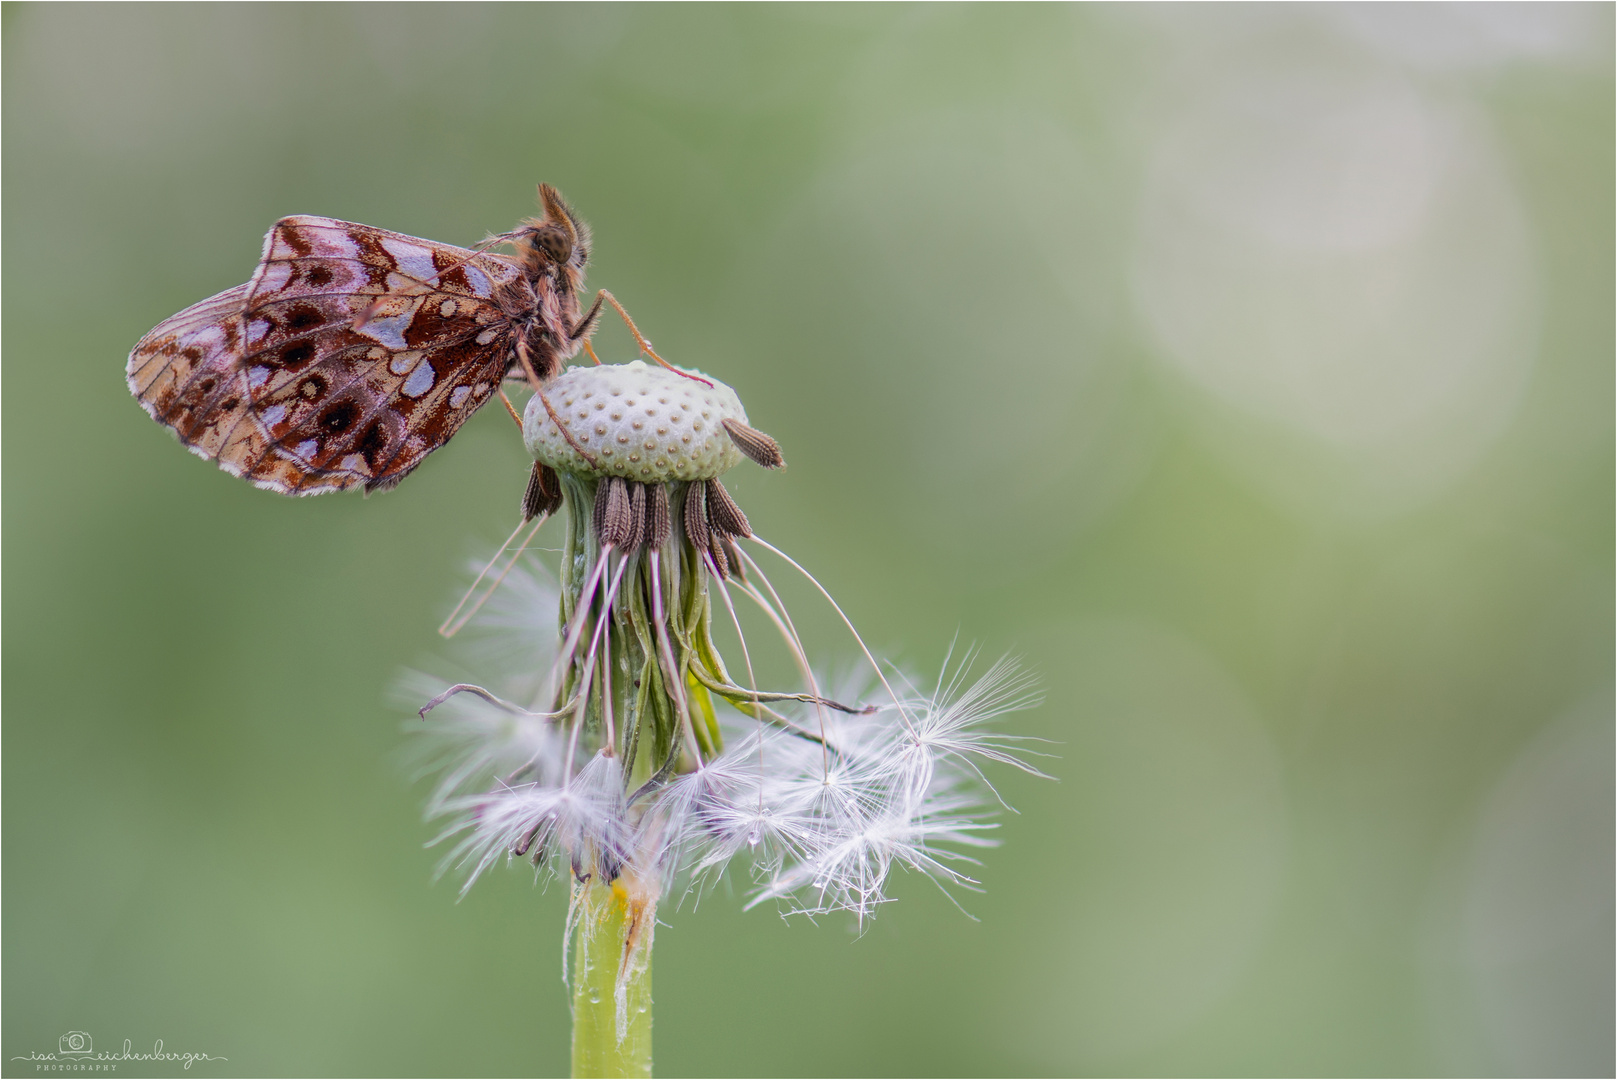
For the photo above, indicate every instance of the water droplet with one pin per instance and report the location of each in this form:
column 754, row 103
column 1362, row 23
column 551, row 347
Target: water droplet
column 595, row 997
column 753, row 837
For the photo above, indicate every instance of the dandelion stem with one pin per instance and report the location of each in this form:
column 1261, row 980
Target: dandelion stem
column 611, row 975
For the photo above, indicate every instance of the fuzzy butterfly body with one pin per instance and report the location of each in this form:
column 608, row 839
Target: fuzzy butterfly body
column 354, row 352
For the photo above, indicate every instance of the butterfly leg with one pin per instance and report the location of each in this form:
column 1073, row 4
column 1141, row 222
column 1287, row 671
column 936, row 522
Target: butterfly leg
column 539, row 389
column 510, row 408
column 586, row 325
column 527, row 364
column 639, row 338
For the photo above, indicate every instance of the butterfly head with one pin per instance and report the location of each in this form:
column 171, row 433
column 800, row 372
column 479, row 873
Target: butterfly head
column 557, row 243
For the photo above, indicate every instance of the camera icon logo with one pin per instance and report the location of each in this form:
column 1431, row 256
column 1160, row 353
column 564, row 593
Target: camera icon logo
column 76, row 1044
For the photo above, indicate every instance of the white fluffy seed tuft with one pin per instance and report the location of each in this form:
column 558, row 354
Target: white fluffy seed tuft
column 637, row 421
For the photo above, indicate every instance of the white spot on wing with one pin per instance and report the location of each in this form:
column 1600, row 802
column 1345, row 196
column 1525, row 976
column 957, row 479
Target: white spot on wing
column 275, row 276
column 479, row 282
column 412, row 260
column 306, row 449
column 274, row 414
column 403, row 362
column 355, row 463
column 209, row 338
column 419, row 382
column 458, row 396
column 388, row 330
column 487, row 336
column 257, row 376
column 325, row 237
column 256, row 329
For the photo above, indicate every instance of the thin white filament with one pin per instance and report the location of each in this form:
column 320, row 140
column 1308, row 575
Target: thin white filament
column 898, row 702
column 666, row 649
column 752, row 684
column 783, row 620
column 586, row 600
column 451, row 625
column 589, row 668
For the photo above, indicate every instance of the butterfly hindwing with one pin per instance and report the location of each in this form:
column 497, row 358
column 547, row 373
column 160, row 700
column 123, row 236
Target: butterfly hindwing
column 352, row 354
column 372, row 414
column 185, row 374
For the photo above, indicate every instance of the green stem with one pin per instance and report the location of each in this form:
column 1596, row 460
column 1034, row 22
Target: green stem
column 612, row 979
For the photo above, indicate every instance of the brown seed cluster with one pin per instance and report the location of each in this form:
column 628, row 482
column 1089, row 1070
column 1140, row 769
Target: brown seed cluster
column 755, row 444
column 544, row 493
column 712, row 521
column 629, row 515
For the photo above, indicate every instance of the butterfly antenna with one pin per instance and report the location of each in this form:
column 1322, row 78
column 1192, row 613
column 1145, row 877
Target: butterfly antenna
column 451, row 625
column 539, row 389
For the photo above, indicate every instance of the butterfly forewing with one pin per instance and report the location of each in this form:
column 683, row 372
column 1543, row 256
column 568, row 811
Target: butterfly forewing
column 352, row 354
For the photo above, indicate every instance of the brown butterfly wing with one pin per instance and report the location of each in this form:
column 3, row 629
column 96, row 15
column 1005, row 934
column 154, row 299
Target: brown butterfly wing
column 186, row 374
column 366, row 349
column 352, row 354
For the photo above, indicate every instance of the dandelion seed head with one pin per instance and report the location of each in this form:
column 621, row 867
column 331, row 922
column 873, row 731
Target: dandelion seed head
column 638, row 754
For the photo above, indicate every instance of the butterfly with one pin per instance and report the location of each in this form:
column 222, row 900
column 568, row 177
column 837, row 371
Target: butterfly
column 354, row 352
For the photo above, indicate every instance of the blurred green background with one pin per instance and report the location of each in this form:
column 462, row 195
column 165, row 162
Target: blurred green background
column 1248, row 369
